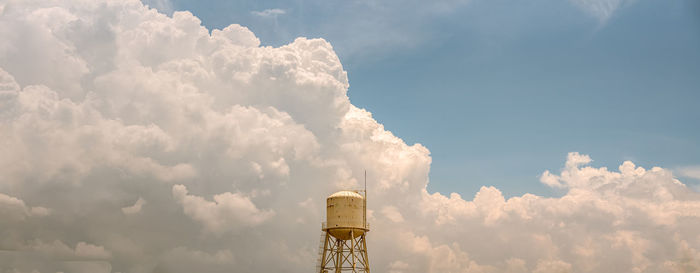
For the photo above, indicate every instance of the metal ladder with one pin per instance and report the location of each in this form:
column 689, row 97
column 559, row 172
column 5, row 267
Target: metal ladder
column 321, row 243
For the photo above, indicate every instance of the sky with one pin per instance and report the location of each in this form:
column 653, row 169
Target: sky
column 549, row 136
column 507, row 87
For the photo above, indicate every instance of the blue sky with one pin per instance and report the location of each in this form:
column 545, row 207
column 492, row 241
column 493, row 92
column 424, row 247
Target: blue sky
column 500, row 91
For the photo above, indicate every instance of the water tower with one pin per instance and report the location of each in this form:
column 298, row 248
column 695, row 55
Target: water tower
column 344, row 248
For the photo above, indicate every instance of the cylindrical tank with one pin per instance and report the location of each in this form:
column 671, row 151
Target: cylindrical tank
column 345, row 213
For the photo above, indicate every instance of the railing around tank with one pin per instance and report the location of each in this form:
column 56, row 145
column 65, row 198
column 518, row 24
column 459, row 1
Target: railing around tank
column 324, row 226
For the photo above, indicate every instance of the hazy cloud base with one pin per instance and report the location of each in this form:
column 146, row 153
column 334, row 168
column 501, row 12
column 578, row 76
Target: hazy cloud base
column 136, row 142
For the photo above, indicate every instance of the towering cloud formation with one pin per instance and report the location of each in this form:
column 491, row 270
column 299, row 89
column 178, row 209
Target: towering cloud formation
column 131, row 141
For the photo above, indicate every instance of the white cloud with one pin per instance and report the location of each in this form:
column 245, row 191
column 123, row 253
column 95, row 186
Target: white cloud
column 60, row 250
column 229, row 211
column 393, row 214
column 135, row 208
column 269, row 13
column 690, row 171
column 600, row 9
column 181, row 259
column 14, row 208
column 235, row 147
column 552, row 266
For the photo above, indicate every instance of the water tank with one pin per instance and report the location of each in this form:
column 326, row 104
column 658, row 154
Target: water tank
column 345, row 213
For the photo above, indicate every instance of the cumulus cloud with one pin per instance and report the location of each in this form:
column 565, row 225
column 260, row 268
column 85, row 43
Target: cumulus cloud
column 106, row 104
column 228, row 211
column 392, row 213
column 59, row 249
column 14, row 208
column 185, row 260
column 135, row 208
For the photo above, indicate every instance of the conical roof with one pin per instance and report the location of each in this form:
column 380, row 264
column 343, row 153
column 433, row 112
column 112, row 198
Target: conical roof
column 346, row 194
